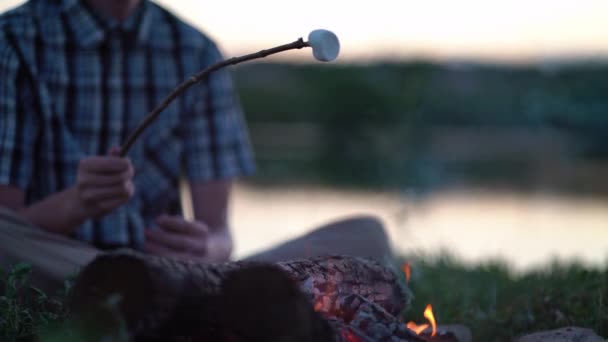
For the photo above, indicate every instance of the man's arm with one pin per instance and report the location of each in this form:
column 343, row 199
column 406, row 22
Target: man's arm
column 103, row 184
column 55, row 213
column 210, row 202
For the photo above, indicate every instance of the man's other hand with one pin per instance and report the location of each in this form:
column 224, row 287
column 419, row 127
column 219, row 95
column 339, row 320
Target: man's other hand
column 103, row 183
column 178, row 238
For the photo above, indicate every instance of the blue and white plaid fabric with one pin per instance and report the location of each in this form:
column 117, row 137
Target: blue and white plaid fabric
column 74, row 83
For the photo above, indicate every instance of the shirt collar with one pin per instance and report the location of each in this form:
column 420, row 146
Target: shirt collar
column 90, row 28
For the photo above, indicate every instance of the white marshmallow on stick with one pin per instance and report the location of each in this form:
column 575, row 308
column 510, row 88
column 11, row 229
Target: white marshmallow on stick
column 325, row 45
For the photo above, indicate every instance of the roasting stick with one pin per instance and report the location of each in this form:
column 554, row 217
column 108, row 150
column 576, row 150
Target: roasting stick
column 325, row 48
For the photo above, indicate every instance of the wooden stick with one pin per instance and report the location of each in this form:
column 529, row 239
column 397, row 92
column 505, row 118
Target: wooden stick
column 150, row 117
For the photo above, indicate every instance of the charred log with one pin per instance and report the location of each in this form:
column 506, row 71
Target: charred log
column 377, row 324
column 166, row 297
column 260, row 303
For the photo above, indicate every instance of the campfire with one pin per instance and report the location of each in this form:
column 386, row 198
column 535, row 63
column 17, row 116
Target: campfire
column 428, row 312
column 418, row 329
column 333, row 298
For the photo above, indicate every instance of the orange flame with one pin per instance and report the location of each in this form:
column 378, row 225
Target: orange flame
column 428, row 314
column 416, row 328
column 408, row 271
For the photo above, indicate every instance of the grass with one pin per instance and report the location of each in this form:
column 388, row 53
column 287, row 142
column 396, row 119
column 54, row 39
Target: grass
column 25, row 311
column 496, row 304
column 29, row 314
column 500, row 306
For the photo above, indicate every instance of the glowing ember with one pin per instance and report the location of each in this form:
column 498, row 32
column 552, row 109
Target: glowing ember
column 318, row 306
column 428, row 314
column 408, row 271
column 349, row 336
column 416, row 328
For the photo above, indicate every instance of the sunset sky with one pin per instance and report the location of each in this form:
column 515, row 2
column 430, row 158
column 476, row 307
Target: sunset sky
column 472, row 29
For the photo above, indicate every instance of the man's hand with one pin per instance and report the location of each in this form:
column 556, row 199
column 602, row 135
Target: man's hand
column 103, row 183
column 179, row 239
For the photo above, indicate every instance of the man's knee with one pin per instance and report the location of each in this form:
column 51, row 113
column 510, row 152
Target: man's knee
column 368, row 230
column 361, row 235
column 359, row 224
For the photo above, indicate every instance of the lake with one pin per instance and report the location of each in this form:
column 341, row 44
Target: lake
column 527, row 230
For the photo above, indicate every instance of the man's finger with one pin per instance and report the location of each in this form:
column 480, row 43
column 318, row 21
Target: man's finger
column 158, row 249
column 106, row 206
column 124, row 191
column 106, row 179
column 105, row 164
column 178, row 224
column 175, row 242
column 114, row 151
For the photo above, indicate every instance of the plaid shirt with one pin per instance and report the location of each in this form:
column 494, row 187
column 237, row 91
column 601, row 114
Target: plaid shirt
column 74, row 83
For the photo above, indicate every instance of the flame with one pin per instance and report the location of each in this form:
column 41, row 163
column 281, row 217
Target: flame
column 318, row 306
column 408, row 271
column 428, row 314
column 416, row 328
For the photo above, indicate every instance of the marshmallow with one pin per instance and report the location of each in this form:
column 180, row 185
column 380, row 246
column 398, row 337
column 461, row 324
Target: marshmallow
column 325, row 45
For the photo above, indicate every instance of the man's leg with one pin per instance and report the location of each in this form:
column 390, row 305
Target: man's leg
column 362, row 236
column 53, row 258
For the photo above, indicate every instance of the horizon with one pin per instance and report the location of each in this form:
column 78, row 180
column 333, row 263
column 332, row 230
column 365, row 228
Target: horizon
column 468, row 31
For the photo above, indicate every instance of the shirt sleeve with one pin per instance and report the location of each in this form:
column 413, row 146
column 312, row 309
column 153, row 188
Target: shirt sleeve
column 217, row 144
column 17, row 132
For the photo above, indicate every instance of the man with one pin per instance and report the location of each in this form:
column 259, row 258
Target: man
column 76, row 78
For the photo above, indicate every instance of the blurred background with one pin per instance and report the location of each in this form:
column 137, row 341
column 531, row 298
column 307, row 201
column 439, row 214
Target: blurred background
column 474, row 127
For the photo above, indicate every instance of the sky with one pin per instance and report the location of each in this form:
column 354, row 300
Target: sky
column 514, row 30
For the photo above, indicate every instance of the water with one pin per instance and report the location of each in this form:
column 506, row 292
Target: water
column 526, row 230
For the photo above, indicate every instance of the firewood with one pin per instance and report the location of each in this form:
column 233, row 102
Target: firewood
column 261, row 303
column 324, row 279
column 371, row 320
column 166, row 297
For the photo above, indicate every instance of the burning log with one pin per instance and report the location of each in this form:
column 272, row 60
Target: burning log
column 362, row 315
column 166, row 297
column 326, row 279
column 260, row 303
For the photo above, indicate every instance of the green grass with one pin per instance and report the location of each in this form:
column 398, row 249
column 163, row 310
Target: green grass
column 25, row 310
column 496, row 304
column 29, row 314
column 499, row 306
